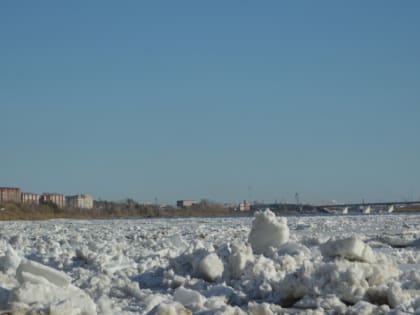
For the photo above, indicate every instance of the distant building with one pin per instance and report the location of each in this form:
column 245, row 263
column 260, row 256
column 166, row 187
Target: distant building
column 30, row 198
column 244, row 206
column 80, row 201
column 58, row 199
column 10, row 194
column 185, row 203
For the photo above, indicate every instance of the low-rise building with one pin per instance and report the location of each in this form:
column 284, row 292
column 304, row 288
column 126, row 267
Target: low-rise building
column 10, row 194
column 244, row 206
column 58, row 199
column 30, row 198
column 185, row 203
column 80, row 201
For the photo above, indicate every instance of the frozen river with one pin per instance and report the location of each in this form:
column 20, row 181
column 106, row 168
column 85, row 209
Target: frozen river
column 366, row 264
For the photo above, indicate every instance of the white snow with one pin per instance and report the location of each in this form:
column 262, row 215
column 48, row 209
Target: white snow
column 352, row 264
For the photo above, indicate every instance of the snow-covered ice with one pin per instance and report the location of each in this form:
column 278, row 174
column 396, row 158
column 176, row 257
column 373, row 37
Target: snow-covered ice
column 268, row 231
column 266, row 264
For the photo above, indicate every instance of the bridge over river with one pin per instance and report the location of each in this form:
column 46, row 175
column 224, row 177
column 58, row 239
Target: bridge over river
column 364, row 207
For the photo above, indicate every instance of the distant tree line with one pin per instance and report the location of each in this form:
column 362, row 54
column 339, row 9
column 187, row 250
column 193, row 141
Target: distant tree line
column 127, row 208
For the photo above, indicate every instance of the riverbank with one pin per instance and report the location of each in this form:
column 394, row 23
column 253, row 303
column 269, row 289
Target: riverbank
column 17, row 211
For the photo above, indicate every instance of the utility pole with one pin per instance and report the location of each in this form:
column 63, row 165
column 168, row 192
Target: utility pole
column 298, row 202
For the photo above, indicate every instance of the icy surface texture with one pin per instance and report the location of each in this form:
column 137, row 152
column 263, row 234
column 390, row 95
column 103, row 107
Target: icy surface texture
column 265, row 264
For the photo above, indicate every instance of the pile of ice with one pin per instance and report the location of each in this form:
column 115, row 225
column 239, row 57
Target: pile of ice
column 331, row 265
column 42, row 290
column 270, row 274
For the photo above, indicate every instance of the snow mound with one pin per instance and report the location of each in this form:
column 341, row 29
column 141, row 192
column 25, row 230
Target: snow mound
column 267, row 231
column 351, row 248
column 347, row 280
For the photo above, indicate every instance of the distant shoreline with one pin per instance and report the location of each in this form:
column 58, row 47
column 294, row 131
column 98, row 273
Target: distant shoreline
column 17, row 211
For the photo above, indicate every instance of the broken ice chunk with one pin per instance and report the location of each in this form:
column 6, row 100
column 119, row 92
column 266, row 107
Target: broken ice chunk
column 268, row 231
column 209, row 268
column 189, row 298
column 351, row 248
column 56, row 277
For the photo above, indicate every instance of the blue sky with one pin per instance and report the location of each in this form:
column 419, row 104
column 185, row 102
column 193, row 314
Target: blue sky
column 225, row 100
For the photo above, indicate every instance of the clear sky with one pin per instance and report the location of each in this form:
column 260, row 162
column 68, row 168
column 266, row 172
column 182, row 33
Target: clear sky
column 225, row 100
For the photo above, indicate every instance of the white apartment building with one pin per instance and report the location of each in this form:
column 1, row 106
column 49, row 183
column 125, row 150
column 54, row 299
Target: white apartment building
column 80, row 201
column 30, row 198
column 58, row 199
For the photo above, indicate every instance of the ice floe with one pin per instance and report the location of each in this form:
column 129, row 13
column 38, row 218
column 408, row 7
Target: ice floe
column 367, row 264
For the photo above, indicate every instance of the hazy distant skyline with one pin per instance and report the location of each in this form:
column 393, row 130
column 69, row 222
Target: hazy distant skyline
column 220, row 100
